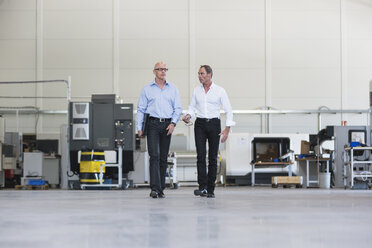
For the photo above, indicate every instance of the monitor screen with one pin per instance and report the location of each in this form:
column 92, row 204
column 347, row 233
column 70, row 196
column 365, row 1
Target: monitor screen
column 357, row 136
column 47, row 146
column 267, row 151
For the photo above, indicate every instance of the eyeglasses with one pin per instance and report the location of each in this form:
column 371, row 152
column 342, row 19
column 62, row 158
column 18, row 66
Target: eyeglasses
column 161, row 69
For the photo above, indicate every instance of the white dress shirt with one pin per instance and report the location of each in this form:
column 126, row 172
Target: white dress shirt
column 208, row 105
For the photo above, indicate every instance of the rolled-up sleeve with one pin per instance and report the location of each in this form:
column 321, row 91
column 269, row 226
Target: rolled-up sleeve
column 177, row 108
column 192, row 106
column 227, row 108
column 141, row 109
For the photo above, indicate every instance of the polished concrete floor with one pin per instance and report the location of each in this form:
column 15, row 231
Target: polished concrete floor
column 237, row 217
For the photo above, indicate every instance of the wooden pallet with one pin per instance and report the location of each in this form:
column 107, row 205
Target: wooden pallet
column 32, row 187
column 287, row 181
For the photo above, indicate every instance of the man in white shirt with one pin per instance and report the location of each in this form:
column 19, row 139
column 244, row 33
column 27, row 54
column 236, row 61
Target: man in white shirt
column 206, row 101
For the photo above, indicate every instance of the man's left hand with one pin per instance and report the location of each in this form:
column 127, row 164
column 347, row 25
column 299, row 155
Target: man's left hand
column 225, row 134
column 170, row 129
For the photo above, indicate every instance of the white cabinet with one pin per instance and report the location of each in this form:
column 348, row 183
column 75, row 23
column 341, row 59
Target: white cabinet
column 33, row 164
column 37, row 165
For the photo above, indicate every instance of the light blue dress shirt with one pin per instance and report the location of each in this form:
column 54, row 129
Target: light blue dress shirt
column 159, row 103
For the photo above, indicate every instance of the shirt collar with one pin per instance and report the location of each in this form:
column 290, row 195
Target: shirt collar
column 154, row 82
column 212, row 86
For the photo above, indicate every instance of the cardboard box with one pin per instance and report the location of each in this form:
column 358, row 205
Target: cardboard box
column 305, row 147
column 287, row 180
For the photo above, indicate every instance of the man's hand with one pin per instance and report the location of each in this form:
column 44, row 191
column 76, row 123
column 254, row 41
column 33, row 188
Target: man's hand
column 225, row 134
column 140, row 134
column 186, row 118
column 170, row 129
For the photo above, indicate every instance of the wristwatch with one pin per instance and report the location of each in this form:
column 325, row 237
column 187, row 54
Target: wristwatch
column 173, row 123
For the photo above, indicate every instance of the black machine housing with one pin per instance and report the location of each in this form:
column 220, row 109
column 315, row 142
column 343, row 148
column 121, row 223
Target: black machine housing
column 103, row 125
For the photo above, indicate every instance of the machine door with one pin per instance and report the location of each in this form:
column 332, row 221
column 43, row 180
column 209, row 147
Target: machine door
column 103, row 126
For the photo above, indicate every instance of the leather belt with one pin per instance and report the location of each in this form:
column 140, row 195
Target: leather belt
column 160, row 119
column 207, row 120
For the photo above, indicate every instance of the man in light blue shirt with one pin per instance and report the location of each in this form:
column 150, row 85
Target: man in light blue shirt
column 161, row 100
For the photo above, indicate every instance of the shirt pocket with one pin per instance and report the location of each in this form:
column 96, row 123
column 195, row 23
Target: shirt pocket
column 151, row 97
column 214, row 100
column 168, row 97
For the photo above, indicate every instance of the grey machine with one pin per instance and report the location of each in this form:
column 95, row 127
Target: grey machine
column 15, row 139
column 2, row 134
column 343, row 136
column 102, row 125
column 13, row 160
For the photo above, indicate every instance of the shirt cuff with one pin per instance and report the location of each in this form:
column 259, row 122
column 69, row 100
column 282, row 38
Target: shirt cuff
column 230, row 123
column 191, row 115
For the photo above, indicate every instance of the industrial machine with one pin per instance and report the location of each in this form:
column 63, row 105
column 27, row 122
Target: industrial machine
column 184, row 170
column 140, row 175
column 15, row 139
column 13, row 158
column 2, row 134
column 270, row 149
column 342, row 137
column 244, row 148
column 9, row 165
column 2, row 176
column 104, row 125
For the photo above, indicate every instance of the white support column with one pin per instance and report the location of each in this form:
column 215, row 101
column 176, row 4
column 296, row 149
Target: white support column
column 268, row 96
column 115, row 46
column 192, row 63
column 39, row 60
column 343, row 60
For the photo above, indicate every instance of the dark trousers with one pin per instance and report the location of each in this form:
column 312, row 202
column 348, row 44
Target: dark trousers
column 158, row 145
column 207, row 130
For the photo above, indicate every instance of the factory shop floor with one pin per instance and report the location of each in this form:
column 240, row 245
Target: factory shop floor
column 237, row 217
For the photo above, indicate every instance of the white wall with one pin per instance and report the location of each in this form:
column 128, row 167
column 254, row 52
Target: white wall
column 286, row 54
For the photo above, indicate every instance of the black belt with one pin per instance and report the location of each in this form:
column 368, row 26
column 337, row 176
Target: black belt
column 206, row 119
column 160, row 119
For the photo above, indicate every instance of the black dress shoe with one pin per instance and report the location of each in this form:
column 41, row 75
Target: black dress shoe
column 200, row 192
column 154, row 194
column 211, row 195
column 161, row 195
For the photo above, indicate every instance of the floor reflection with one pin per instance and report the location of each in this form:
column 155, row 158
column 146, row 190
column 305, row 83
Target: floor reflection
column 207, row 227
column 158, row 235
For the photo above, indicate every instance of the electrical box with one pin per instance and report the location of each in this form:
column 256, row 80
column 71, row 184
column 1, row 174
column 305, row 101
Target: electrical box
column 80, row 121
column 124, row 126
column 9, row 163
